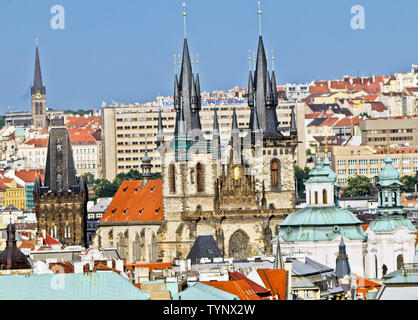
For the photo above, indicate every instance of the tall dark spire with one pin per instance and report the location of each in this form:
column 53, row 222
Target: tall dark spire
column 194, row 105
column 251, row 97
column 342, row 266
column 199, row 98
column 37, row 85
column 60, row 175
column 274, row 89
column 177, row 103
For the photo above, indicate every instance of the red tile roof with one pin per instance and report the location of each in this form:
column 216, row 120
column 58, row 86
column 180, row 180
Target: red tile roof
column 275, row 281
column 378, row 106
column 134, row 203
column 240, row 288
column 28, row 175
column 82, row 122
column 38, row 143
column 48, row 240
column 254, row 286
column 371, row 97
column 329, row 122
column 150, row 266
column 346, row 122
column 81, row 136
column 3, row 186
column 363, row 285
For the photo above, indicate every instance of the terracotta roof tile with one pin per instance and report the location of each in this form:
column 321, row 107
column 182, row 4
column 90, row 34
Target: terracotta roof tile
column 150, row 266
column 254, row 286
column 346, row 122
column 239, row 288
column 38, row 143
column 81, row 136
column 134, row 203
column 28, row 175
column 275, row 281
column 378, row 106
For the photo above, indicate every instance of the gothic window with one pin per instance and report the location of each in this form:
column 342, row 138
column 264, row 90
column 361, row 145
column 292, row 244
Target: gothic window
column 316, row 197
column 324, row 196
column 40, row 108
column 199, row 177
column 275, row 172
column 399, row 262
column 238, row 245
column 136, row 249
column 153, row 251
column 172, row 178
column 122, row 246
column 36, row 108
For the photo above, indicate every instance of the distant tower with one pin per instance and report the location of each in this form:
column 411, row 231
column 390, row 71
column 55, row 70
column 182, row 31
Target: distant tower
column 38, row 96
column 342, row 266
column 61, row 203
column 12, row 258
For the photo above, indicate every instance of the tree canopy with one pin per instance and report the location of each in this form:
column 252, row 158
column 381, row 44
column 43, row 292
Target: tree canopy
column 301, row 175
column 359, row 186
column 409, row 182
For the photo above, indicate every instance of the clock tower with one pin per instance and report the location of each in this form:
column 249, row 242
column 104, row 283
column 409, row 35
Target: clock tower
column 38, row 96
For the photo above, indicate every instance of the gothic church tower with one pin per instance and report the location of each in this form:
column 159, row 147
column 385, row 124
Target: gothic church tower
column 38, row 96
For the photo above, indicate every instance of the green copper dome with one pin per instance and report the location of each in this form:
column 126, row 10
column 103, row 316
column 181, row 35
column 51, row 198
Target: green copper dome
column 327, row 167
column 389, row 174
column 320, row 174
column 321, row 224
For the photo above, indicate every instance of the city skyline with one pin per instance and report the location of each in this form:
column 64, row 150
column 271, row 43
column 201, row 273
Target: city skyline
column 85, row 63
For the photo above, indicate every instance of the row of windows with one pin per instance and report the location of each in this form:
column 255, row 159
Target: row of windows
column 86, row 166
column 365, row 162
column 391, row 138
column 135, row 166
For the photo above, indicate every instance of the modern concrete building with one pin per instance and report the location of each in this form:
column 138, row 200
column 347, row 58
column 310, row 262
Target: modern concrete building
column 399, row 131
column 347, row 161
column 126, row 129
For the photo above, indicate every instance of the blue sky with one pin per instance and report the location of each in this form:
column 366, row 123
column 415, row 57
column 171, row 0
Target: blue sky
column 123, row 50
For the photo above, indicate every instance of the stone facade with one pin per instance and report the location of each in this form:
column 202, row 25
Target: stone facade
column 60, row 203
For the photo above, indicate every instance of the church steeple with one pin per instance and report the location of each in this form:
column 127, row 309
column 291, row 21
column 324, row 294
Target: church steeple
column 160, row 130
column 342, row 266
column 38, row 95
column 38, row 85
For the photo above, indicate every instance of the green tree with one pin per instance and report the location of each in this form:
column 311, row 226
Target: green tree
column 359, row 186
column 301, row 175
column 409, row 182
column 2, row 121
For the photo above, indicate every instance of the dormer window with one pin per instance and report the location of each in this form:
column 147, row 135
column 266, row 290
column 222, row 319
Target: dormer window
column 125, row 211
column 124, row 189
column 157, row 211
column 113, row 211
column 141, row 211
column 152, row 189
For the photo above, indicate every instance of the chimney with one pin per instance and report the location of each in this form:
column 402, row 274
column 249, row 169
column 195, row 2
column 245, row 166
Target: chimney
column 288, row 267
column 78, row 267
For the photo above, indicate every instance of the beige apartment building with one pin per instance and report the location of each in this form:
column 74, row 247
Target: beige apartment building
column 348, row 161
column 399, row 131
column 127, row 129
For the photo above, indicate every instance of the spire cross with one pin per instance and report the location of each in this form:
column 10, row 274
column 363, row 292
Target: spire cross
column 259, row 17
column 184, row 18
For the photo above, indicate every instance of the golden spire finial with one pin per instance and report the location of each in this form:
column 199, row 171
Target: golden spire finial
column 254, row 60
column 175, row 64
column 259, row 17
column 36, row 42
column 326, row 145
column 249, row 59
column 184, row 18
column 387, row 142
column 272, row 59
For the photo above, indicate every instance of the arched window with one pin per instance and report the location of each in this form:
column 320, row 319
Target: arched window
column 316, row 197
column 324, row 196
column 36, row 108
column 40, row 108
column 274, row 167
column 172, row 177
column 399, row 262
column 199, row 177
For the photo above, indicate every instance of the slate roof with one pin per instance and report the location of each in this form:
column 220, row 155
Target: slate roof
column 310, row 267
column 100, row 206
column 75, row 286
column 204, row 247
